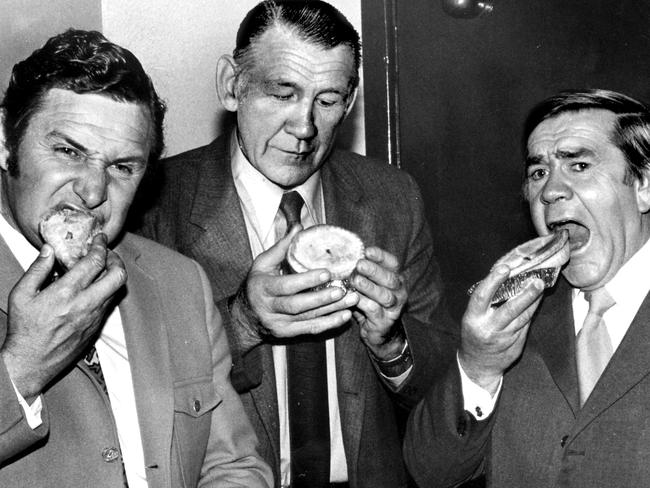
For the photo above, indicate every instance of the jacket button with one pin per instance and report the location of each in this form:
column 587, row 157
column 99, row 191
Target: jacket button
column 110, row 454
column 196, row 406
column 564, row 440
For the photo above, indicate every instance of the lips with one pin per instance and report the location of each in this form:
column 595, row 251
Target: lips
column 578, row 233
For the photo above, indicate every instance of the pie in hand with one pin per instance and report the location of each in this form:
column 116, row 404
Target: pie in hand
column 542, row 257
column 70, row 232
column 326, row 247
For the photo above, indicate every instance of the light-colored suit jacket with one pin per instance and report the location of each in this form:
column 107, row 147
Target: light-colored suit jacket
column 199, row 214
column 192, row 427
column 539, row 437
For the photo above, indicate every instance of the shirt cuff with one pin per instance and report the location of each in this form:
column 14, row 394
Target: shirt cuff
column 33, row 411
column 477, row 401
column 396, row 381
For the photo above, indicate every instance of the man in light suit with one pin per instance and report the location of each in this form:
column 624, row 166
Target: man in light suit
column 291, row 82
column 558, row 396
column 81, row 123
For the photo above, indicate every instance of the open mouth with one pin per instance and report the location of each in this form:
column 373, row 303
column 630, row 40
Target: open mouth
column 578, row 233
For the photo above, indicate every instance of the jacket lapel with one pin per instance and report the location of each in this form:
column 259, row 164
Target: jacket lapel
column 216, row 211
column 147, row 345
column 11, row 273
column 553, row 334
column 627, row 367
column 344, row 207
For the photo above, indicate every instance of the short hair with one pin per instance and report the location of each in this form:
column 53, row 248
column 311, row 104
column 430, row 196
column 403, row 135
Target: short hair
column 630, row 132
column 83, row 62
column 313, row 21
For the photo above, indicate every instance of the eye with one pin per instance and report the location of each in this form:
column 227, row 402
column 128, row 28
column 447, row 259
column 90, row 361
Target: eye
column 67, row 152
column 580, row 166
column 329, row 101
column 536, row 174
column 126, row 169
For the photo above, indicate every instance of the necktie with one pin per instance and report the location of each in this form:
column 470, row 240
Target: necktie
column 307, row 393
column 92, row 361
column 593, row 345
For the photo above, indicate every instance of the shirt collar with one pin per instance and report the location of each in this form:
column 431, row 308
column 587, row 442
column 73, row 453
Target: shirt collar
column 260, row 197
column 631, row 283
column 21, row 248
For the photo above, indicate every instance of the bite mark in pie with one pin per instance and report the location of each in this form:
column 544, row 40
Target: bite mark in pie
column 70, row 233
column 326, row 247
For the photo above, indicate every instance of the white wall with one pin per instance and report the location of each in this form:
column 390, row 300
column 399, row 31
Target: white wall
column 25, row 25
column 179, row 43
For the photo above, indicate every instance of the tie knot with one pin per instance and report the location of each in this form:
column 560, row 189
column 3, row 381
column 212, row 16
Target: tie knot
column 290, row 206
column 599, row 301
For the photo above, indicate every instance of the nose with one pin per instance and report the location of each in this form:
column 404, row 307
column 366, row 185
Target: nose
column 92, row 186
column 556, row 188
column 301, row 122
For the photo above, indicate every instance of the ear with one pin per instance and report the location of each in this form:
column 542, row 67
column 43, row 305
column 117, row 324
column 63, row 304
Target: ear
column 351, row 100
column 226, row 71
column 4, row 153
column 642, row 186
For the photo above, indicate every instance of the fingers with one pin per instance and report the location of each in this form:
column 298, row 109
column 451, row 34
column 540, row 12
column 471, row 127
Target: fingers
column 315, row 325
column 272, row 258
column 113, row 278
column 37, row 273
column 89, row 267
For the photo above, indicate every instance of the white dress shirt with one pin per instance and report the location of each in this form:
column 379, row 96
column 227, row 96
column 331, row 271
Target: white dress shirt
column 113, row 356
column 628, row 288
column 260, row 200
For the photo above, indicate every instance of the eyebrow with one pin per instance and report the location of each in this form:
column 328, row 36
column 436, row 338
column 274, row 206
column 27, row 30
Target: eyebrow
column 56, row 134
column 561, row 154
column 279, row 82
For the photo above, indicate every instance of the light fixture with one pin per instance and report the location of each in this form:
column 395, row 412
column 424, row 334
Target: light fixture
column 466, row 9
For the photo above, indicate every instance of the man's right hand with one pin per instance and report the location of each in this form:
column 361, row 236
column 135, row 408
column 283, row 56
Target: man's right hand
column 285, row 304
column 492, row 338
column 48, row 329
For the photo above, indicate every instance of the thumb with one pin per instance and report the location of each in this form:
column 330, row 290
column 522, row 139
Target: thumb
column 38, row 272
column 272, row 258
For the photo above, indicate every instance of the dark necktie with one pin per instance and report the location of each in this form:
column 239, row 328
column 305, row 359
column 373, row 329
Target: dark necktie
column 593, row 344
column 307, row 391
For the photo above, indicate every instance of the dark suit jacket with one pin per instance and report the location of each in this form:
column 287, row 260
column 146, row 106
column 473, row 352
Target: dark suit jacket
column 539, row 436
column 199, row 214
column 193, row 431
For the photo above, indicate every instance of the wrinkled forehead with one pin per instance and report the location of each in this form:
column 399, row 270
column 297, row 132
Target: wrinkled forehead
column 578, row 132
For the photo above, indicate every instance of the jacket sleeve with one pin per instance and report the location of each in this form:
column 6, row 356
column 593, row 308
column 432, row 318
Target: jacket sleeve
column 231, row 457
column 431, row 333
column 445, row 446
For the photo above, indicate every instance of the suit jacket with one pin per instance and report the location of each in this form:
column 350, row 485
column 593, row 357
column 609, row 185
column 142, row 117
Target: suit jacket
column 193, row 431
column 199, row 214
column 538, row 435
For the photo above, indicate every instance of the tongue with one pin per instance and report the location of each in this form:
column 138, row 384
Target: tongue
column 578, row 235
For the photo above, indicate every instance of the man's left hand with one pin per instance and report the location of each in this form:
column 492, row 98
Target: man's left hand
column 382, row 295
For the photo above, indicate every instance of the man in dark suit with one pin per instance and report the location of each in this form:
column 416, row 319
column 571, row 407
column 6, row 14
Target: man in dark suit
column 117, row 369
column 291, row 82
column 570, row 381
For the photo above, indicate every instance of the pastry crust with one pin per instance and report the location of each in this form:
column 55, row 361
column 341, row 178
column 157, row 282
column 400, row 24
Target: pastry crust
column 542, row 258
column 70, row 233
column 326, row 247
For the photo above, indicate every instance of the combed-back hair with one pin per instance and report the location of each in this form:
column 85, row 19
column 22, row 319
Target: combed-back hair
column 630, row 131
column 83, row 62
column 314, row 21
